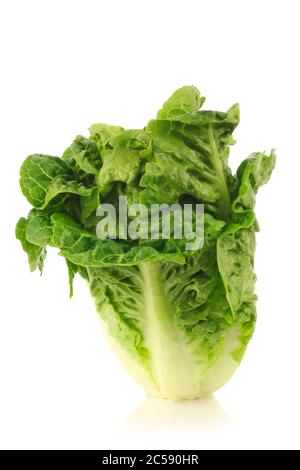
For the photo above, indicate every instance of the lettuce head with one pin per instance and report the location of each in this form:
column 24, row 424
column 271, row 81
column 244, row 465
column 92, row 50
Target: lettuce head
column 179, row 319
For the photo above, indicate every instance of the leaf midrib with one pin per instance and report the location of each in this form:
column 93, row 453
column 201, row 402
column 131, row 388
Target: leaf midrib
column 224, row 199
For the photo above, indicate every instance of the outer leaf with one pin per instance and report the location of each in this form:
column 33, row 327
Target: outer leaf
column 37, row 173
column 36, row 254
column 195, row 166
column 44, row 177
column 72, row 270
column 236, row 246
column 38, row 229
column 83, row 157
column 185, row 100
column 252, row 173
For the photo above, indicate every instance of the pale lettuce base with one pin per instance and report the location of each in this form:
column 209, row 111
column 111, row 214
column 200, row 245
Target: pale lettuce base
column 177, row 371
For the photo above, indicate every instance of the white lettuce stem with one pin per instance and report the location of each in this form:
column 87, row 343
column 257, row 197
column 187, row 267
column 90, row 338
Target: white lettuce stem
column 176, row 370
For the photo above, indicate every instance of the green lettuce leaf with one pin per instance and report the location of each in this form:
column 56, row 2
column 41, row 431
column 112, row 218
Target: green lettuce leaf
column 190, row 159
column 185, row 100
column 36, row 254
column 43, row 178
column 83, row 157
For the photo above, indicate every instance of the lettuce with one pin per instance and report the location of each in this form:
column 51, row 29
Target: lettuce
column 179, row 320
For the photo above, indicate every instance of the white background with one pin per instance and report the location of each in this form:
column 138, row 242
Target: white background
column 67, row 64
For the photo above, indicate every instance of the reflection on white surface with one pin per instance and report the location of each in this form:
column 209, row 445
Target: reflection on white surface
column 154, row 414
column 159, row 421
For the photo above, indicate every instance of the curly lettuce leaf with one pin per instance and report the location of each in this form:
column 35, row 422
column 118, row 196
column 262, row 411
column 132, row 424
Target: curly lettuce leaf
column 185, row 100
column 191, row 166
column 43, row 178
column 83, row 157
column 36, row 254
